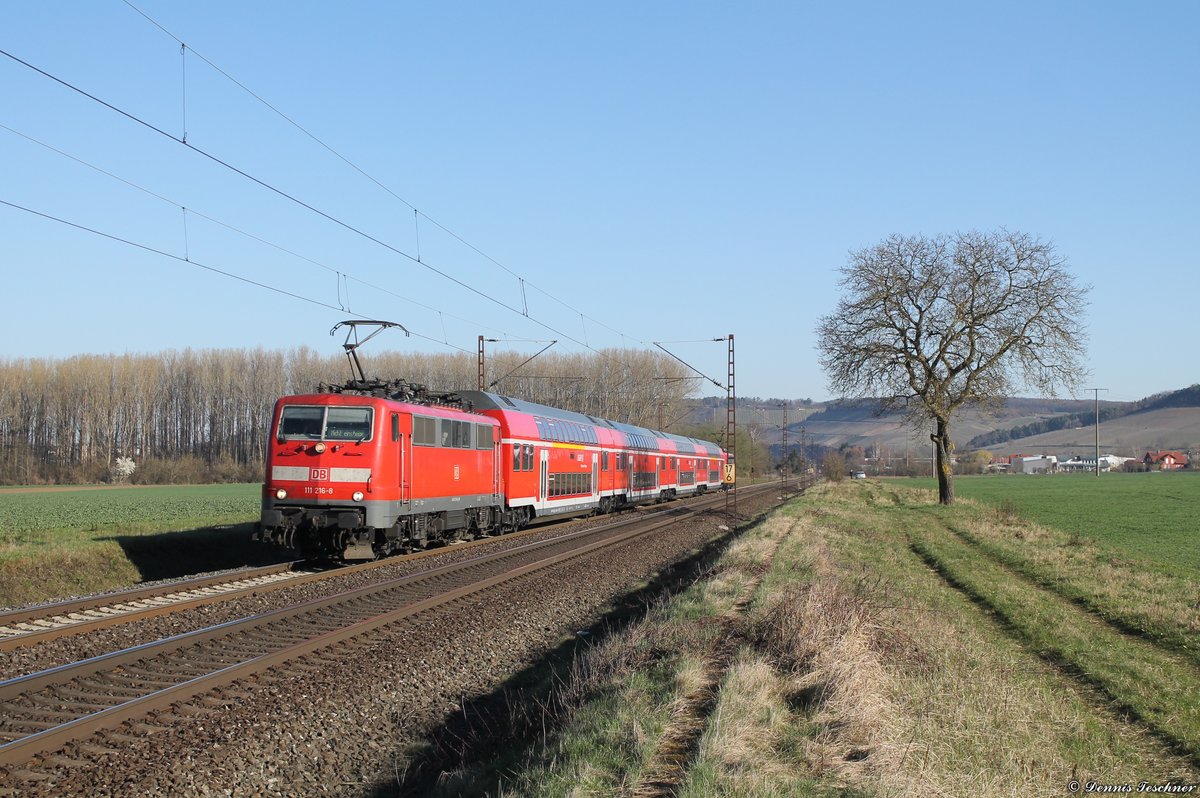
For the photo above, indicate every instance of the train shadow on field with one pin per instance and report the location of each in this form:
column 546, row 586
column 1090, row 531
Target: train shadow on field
column 520, row 715
column 169, row 555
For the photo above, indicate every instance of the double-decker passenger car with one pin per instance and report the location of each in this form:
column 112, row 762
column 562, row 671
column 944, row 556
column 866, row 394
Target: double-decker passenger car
column 560, row 462
column 369, row 468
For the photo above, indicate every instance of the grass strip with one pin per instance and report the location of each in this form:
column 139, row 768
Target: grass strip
column 677, row 745
column 756, row 743
column 1154, row 687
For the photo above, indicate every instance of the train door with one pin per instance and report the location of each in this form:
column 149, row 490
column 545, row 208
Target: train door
column 595, row 474
column 402, row 455
column 544, row 478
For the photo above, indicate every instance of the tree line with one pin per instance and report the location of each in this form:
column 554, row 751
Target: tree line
column 204, row 415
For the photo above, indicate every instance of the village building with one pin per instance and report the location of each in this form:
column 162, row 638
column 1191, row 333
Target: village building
column 1165, row 461
column 1108, row 462
column 1038, row 464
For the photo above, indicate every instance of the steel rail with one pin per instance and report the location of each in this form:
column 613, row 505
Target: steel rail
column 95, row 613
column 39, row 612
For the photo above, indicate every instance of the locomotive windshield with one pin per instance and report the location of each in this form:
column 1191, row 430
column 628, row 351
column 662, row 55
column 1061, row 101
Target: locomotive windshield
column 325, row 423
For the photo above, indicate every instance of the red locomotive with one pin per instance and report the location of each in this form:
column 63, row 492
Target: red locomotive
column 370, row 468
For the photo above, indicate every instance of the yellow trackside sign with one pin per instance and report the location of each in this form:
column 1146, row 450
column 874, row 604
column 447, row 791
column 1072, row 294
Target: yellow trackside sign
column 729, row 469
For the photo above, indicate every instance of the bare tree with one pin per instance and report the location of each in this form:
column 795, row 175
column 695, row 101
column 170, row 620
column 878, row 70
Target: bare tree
column 932, row 325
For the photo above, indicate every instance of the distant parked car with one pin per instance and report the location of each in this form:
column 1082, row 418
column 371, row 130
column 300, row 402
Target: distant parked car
column 858, row 475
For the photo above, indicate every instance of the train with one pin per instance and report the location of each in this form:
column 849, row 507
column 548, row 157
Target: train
column 371, row 468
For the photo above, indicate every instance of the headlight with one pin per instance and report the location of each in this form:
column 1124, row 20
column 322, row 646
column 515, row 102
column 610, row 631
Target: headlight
column 281, row 494
column 319, row 448
column 358, row 496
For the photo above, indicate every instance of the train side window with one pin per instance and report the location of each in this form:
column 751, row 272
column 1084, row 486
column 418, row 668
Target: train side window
column 603, row 461
column 484, row 437
column 424, row 431
column 673, row 464
column 527, row 457
column 395, row 426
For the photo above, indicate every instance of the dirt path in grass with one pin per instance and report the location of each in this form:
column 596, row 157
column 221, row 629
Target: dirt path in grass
column 668, row 766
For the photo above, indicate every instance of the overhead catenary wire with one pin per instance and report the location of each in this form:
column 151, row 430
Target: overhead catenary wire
column 342, row 277
column 524, row 311
column 689, row 365
column 303, row 204
column 495, row 382
column 198, row 264
column 264, row 184
column 374, row 180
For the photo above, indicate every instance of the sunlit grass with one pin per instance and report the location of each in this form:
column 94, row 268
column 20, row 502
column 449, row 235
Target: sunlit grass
column 62, row 542
column 1150, row 515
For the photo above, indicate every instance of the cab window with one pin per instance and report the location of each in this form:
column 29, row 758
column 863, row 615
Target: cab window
column 326, row 423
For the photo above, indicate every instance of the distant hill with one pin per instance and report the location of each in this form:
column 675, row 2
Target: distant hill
column 859, row 423
column 1132, row 435
column 1169, row 420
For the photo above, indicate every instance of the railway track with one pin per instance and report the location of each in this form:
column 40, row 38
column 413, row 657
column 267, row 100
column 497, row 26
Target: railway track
column 46, row 622
column 43, row 712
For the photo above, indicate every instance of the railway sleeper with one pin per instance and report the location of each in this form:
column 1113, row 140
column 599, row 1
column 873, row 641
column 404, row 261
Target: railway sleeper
column 17, row 711
column 89, row 703
column 60, row 761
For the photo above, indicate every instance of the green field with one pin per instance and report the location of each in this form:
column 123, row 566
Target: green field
column 59, row 541
column 1155, row 516
column 27, row 515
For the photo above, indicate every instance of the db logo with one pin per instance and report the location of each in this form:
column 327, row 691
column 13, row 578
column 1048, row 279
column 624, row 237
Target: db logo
column 319, row 474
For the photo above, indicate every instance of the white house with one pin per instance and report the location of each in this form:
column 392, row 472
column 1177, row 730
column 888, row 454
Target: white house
column 1039, row 464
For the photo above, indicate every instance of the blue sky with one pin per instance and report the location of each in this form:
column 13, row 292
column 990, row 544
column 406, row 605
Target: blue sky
column 674, row 171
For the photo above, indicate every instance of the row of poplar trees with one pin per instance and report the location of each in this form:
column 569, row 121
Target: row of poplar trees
column 204, row 415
